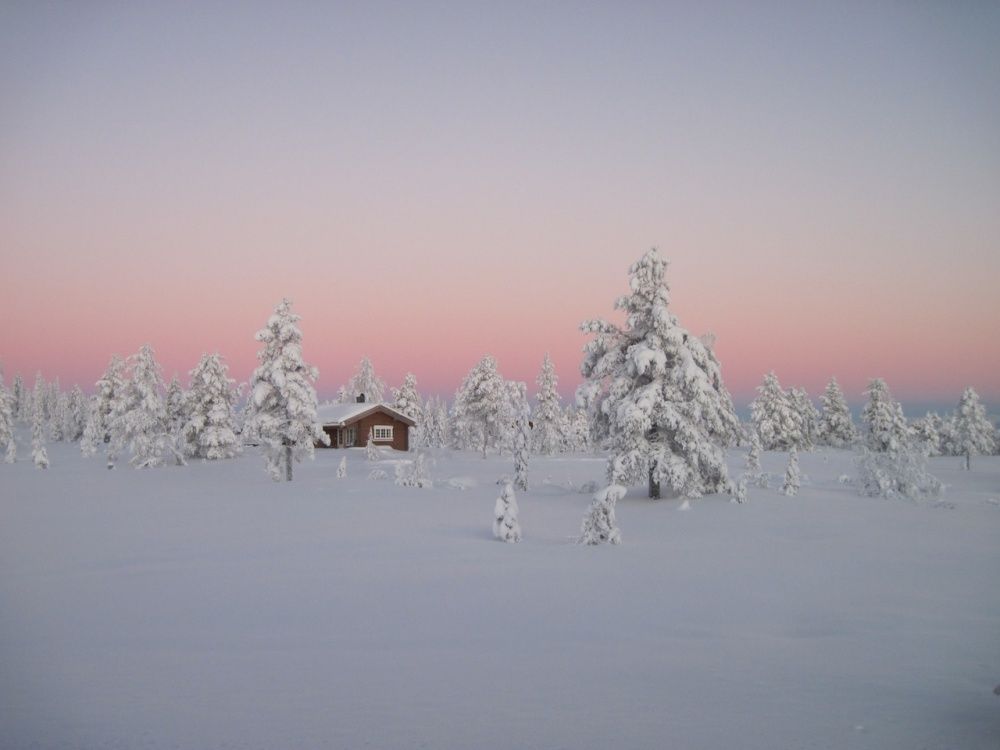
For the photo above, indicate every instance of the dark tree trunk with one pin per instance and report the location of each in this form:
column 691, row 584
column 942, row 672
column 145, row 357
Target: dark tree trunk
column 654, row 486
column 288, row 463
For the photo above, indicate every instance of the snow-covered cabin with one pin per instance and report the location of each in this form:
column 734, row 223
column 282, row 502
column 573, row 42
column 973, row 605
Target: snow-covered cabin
column 348, row 425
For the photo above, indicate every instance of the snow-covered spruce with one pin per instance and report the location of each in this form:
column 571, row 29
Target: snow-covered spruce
column 7, row 442
column 434, row 430
column 793, row 477
column 19, row 397
column 808, row 417
column 208, row 426
column 482, row 407
column 835, row 428
column 39, row 455
column 58, row 402
column 505, row 524
column 885, row 427
column 363, row 383
column 522, row 439
column 139, row 419
column 406, row 399
column 281, row 412
column 656, row 392
column 413, row 473
column 110, row 390
column 76, row 414
column 775, row 417
column 754, row 474
column 574, row 430
column 548, row 417
column 599, row 525
column 974, row 435
column 927, row 432
column 342, row 468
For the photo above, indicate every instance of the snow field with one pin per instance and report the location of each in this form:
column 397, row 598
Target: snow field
column 209, row 607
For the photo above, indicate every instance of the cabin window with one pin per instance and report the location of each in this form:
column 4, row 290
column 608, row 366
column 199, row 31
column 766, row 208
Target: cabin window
column 352, row 435
column 382, row 432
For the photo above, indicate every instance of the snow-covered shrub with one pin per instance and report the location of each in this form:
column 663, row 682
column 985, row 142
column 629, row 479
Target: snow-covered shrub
column 281, row 412
column 371, row 450
column 899, row 473
column 656, row 392
column 739, row 491
column 413, row 473
column 599, row 525
column 835, row 428
column 208, row 426
column 973, row 431
column 377, row 474
column 793, row 477
column 548, row 418
column 505, row 523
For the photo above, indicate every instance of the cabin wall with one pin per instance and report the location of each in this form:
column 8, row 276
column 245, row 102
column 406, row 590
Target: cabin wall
column 400, row 432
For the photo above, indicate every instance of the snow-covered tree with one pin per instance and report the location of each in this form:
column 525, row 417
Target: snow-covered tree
column 434, row 429
column 885, row 427
column 599, row 525
column 406, row 399
column 39, row 455
column 973, row 432
column 575, row 430
column 364, row 383
column 898, row 472
column 342, row 468
column 548, row 417
column 808, row 417
column 282, row 407
column 75, row 415
column 18, row 392
column 522, row 438
column 927, row 432
column 836, row 428
column 413, row 473
column 775, row 417
column 58, row 402
column 140, row 421
column 658, row 391
column 482, row 406
column 793, row 477
column 7, row 406
column 111, row 388
column 371, row 450
column 754, row 473
column 176, row 405
column 505, row 524
column 208, row 428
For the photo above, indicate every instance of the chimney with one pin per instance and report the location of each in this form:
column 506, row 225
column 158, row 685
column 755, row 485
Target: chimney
column 361, row 398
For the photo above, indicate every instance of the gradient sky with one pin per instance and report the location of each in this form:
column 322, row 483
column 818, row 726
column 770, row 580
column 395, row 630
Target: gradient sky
column 431, row 182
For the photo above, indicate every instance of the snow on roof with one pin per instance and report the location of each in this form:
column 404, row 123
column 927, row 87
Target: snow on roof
column 338, row 414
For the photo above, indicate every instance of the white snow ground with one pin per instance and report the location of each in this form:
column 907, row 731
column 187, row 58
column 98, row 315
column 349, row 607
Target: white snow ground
column 210, row 607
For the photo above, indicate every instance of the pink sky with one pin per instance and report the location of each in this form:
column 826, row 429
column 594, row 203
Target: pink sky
column 429, row 186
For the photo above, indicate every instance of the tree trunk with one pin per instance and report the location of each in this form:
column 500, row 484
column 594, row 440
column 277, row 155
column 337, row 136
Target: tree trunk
column 654, row 486
column 486, row 432
column 968, row 460
column 288, row 463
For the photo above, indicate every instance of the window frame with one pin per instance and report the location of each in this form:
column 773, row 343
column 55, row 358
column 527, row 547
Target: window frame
column 387, row 433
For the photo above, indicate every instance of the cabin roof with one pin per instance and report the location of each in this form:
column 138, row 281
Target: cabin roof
column 338, row 415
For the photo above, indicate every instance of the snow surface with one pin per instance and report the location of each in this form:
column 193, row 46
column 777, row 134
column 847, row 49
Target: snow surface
column 210, row 607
